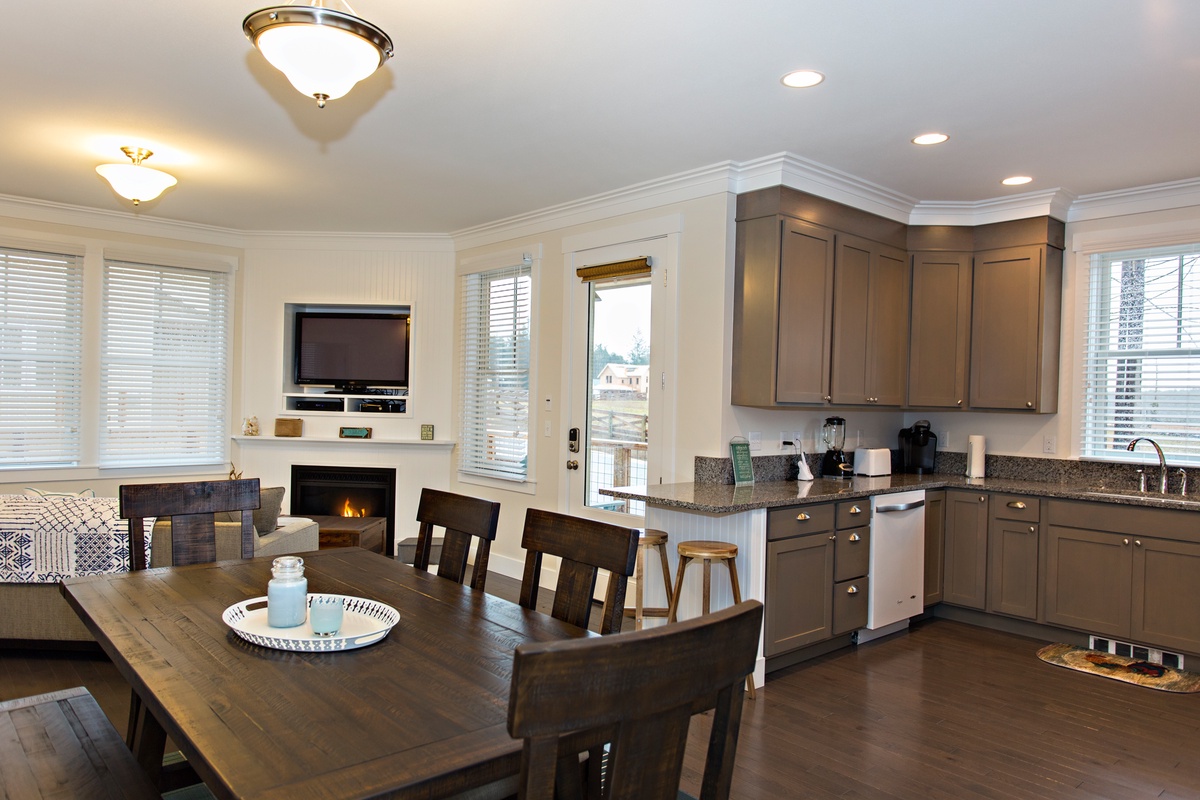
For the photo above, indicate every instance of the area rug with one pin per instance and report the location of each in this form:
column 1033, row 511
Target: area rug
column 1130, row 670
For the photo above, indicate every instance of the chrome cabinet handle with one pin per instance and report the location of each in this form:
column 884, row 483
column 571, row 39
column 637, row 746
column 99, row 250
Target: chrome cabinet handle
column 1017, row 504
column 852, row 590
column 855, row 510
column 854, row 537
column 802, row 517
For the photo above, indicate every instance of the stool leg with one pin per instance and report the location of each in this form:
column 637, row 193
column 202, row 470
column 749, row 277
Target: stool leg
column 674, row 610
column 707, row 607
column 640, row 592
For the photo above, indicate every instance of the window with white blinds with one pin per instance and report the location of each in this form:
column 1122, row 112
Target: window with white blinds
column 41, row 305
column 1141, row 365
column 164, row 366
column 495, row 335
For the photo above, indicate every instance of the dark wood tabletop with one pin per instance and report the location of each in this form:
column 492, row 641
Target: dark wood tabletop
column 421, row 713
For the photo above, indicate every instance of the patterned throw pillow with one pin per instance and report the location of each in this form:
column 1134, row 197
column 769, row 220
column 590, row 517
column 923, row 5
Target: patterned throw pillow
column 33, row 491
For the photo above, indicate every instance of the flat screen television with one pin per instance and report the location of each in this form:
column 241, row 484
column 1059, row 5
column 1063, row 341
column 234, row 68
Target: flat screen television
column 351, row 351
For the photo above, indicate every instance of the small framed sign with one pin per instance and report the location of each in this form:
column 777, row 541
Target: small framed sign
column 743, row 467
column 354, row 433
column 427, row 433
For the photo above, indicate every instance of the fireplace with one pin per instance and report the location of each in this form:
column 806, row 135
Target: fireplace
column 346, row 492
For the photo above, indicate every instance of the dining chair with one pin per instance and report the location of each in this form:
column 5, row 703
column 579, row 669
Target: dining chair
column 464, row 519
column 585, row 547
column 637, row 693
column 191, row 507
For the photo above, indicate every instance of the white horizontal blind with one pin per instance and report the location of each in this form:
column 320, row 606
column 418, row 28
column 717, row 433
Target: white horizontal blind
column 41, row 306
column 164, row 366
column 495, row 334
column 1141, row 364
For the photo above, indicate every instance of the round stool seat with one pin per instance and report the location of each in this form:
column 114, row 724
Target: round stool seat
column 650, row 537
column 717, row 551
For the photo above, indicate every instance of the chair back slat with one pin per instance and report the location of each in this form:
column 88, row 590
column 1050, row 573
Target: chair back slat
column 464, row 520
column 636, row 692
column 191, row 506
column 585, row 546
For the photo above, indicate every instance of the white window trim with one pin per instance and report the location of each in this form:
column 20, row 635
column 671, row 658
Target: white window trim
column 485, row 263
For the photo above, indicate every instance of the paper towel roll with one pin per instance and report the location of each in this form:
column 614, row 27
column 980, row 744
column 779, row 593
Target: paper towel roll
column 975, row 456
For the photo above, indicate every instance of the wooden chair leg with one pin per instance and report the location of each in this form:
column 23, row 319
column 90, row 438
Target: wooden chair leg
column 666, row 568
column 639, row 599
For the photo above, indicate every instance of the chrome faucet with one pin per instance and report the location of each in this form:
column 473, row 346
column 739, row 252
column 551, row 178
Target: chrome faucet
column 1162, row 460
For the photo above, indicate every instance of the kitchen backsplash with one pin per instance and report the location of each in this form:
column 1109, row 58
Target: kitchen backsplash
column 1094, row 474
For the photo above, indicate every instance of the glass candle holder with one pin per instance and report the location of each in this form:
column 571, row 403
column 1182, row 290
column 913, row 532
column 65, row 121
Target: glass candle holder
column 325, row 615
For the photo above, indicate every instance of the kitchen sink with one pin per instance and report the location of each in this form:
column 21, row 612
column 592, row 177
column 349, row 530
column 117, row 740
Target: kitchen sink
column 1153, row 498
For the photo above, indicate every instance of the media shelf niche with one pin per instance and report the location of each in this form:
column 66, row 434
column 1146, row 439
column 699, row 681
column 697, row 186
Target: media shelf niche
column 347, row 359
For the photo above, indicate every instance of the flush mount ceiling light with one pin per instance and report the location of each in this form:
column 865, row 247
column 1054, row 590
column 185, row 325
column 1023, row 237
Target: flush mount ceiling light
column 802, row 78
column 1017, row 180
column 930, row 138
column 323, row 51
column 134, row 181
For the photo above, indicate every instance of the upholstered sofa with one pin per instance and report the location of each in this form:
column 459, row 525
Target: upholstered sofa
column 45, row 538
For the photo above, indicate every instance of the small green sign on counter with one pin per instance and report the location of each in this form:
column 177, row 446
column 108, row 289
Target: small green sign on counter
column 743, row 467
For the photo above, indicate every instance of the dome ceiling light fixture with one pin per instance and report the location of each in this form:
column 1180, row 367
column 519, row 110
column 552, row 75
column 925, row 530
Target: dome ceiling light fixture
column 930, row 138
column 134, row 181
column 322, row 50
column 802, row 79
column 1017, row 180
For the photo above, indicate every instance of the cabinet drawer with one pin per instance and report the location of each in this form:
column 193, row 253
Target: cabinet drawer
column 851, row 553
column 799, row 520
column 1015, row 506
column 854, row 513
column 850, row 605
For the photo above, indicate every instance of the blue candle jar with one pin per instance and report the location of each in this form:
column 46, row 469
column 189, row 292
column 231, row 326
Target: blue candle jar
column 287, row 593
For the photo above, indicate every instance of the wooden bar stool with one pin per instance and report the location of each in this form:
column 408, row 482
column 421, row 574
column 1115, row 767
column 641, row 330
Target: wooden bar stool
column 649, row 538
column 707, row 552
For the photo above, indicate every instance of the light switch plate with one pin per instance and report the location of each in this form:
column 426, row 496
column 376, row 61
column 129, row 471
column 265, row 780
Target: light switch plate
column 755, row 439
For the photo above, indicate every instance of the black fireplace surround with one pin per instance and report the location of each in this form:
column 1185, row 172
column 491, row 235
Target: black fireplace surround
column 346, row 491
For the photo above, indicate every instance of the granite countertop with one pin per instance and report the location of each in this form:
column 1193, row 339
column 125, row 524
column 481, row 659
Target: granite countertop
column 718, row 498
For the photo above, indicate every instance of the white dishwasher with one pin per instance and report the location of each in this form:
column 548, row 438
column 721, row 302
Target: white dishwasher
column 897, row 559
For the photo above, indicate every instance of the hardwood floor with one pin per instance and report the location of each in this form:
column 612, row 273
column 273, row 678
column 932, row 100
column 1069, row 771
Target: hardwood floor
column 944, row 711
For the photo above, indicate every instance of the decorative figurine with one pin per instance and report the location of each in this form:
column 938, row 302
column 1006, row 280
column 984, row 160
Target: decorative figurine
column 250, row 426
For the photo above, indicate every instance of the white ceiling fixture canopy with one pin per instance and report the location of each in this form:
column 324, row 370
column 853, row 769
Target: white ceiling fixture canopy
column 134, row 181
column 322, row 48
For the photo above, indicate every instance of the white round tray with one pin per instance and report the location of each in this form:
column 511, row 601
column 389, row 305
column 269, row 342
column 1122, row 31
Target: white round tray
column 364, row 622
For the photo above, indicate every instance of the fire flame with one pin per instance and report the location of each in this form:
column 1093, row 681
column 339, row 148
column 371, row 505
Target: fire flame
column 347, row 511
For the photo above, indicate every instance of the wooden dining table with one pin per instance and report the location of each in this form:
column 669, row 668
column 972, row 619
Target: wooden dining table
column 421, row 713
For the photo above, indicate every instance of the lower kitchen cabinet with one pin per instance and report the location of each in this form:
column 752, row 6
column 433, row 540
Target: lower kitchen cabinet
column 799, row 604
column 1013, row 556
column 1088, row 577
column 966, row 532
column 935, row 545
column 1166, row 594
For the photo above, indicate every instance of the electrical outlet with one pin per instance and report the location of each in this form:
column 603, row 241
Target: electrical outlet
column 785, row 441
column 755, row 438
column 1049, row 444
column 943, row 439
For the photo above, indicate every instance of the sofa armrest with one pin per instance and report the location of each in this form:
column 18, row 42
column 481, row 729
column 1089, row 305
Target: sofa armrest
column 299, row 535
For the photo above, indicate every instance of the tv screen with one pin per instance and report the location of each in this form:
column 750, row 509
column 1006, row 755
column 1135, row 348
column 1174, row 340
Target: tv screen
column 351, row 351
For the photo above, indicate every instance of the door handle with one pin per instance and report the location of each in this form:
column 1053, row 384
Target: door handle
column 855, row 510
column 900, row 506
column 802, row 517
column 572, row 464
column 854, row 537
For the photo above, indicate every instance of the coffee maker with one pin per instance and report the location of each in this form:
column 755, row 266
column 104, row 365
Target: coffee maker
column 918, row 447
column 833, row 463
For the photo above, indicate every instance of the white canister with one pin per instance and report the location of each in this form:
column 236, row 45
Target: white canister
column 975, row 456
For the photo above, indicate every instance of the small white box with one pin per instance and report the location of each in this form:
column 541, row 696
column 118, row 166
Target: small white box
column 872, row 461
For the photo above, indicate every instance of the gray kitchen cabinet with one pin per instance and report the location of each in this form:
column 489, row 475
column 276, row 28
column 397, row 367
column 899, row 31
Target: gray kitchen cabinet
column 1106, row 576
column 871, row 323
column 1015, row 316
column 851, row 563
column 935, row 545
column 965, row 581
column 1013, row 556
column 799, row 601
column 940, row 330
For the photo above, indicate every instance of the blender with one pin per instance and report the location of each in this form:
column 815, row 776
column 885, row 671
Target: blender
column 833, row 434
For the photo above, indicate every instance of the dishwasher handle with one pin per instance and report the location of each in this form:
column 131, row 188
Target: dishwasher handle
column 900, row 506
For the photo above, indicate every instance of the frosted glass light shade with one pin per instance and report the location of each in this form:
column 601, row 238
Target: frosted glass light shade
column 322, row 51
column 135, row 182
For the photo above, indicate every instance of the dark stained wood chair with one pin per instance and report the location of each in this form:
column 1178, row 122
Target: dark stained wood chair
column 191, row 507
column 637, row 693
column 585, row 547
column 464, row 519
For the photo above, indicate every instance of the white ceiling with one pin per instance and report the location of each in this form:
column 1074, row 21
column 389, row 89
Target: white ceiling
column 494, row 108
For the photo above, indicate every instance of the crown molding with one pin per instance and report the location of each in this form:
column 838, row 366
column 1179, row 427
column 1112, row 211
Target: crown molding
column 1048, row 203
column 360, row 242
column 1138, row 200
column 795, row 172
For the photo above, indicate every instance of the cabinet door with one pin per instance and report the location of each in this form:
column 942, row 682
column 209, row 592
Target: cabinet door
column 799, row 608
column 1088, row 580
column 851, row 282
column 1013, row 568
column 940, row 330
column 805, row 308
column 965, row 582
column 1166, row 594
column 935, row 545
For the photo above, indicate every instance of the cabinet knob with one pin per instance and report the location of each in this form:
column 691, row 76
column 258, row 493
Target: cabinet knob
column 1137, row 542
column 854, row 537
column 1017, row 504
column 852, row 590
column 802, row 517
column 1029, row 404
column 833, row 537
column 1125, row 542
column 1032, row 529
column 983, row 498
column 959, row 403
column 855, row 510
column 828, row 397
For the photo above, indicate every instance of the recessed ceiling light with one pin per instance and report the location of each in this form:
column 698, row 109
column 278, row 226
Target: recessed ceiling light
column 802, row 78
column 930, row 138
column 1017, row 180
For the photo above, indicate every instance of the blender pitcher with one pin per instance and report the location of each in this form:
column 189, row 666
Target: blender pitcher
column 833, row 434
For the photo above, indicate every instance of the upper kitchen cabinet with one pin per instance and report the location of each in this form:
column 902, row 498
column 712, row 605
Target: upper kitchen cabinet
column 1016, row 304
column 783, row 312
column 870, row 319
column 940, row 332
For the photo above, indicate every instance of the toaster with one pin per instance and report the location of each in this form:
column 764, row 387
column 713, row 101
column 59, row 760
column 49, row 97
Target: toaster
column 872, row 461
